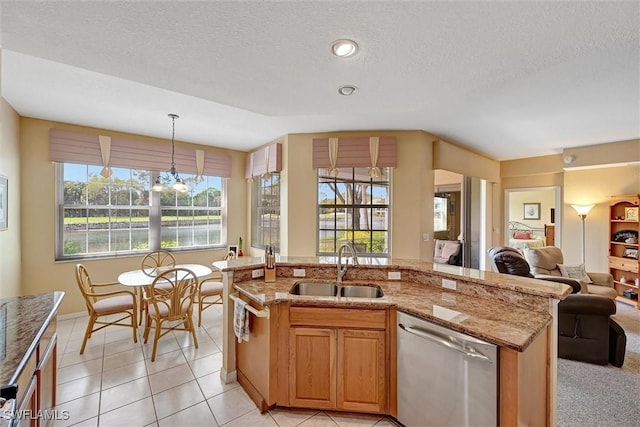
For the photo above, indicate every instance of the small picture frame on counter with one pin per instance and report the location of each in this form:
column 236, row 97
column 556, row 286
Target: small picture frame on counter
column 630, row 253
column 232, row 249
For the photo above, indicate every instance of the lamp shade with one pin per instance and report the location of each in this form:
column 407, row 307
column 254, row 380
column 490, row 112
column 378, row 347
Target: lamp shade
column 582, row 209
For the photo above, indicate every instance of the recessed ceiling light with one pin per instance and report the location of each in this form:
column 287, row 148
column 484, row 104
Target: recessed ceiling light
column 344, row 48
column 347, row 90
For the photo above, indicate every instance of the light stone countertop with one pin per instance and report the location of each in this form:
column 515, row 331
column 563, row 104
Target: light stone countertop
column 509, row 311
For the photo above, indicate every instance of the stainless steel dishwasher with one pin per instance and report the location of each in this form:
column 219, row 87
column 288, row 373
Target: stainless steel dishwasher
column 445, row 378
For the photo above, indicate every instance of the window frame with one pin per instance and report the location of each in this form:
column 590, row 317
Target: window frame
column 372, row 206
column 155, row 220
column 257, row 231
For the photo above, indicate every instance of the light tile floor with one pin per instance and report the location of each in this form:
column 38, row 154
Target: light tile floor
column 114, row 383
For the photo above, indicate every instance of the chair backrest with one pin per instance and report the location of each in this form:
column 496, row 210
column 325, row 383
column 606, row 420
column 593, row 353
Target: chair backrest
column 508, row 260
column 173, row 291
column 84, row 283
column 544, row 260
column 155, row 259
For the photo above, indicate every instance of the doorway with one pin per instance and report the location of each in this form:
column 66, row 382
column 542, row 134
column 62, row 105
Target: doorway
column 533, row 217
column 460, row 214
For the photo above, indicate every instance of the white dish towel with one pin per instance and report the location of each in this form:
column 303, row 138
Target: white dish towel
column 241, row 320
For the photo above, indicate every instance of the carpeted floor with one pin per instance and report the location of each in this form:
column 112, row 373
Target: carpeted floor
column 594, row 396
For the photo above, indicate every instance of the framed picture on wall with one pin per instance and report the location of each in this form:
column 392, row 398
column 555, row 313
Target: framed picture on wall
column 4, row 203
column 531, row 211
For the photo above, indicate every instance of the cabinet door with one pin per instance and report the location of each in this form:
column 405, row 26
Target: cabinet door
column 27, row 415
column 362, row 372
column 312, row 367
column 46, row 374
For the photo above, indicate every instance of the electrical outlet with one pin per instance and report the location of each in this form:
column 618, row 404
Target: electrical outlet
column 449, row 284
column 425, row 237
column 393, row 275
column 259, row 272
column 299, row 272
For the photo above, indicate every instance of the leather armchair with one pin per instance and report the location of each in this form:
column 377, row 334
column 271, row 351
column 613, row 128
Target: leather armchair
column 586, row 331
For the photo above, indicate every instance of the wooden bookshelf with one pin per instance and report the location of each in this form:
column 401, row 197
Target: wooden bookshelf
column 624, row 231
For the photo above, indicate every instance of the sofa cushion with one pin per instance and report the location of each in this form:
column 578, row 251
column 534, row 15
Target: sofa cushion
column 575, row 272
column 544, row 260
column 602, row 291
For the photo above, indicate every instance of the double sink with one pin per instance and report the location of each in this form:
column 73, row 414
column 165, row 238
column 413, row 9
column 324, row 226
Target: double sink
column 333, row 289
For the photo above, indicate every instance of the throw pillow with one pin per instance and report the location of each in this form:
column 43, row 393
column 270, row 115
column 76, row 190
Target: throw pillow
column 525, row 235
column 575, row 272
column 450, row 249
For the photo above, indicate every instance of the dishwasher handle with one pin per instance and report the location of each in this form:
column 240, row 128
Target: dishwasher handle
column 422, row 333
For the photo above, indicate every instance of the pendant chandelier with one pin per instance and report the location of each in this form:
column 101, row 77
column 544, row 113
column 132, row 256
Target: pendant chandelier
column 179, row 184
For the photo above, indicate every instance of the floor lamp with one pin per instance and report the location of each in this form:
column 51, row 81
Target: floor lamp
column 582, row 210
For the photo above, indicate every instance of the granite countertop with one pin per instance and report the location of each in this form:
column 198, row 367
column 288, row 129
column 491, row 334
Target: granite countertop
column 499, row 281
column 491, row 320
column 506, row 310
column 23, row 320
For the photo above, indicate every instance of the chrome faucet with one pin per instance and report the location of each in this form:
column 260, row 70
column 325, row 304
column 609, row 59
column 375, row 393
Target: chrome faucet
column 343, row 270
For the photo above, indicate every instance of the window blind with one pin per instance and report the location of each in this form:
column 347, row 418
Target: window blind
column 353, row 152
column 256, row 164
column 84, row 148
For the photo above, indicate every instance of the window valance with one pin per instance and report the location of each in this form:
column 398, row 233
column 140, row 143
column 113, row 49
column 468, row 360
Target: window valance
column 267, row 159
column 355, row 152
column 78, row 147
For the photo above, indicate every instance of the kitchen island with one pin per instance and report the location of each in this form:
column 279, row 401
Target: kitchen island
column 516, row 314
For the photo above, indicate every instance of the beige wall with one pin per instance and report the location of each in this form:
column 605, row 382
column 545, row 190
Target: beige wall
column 24, row 157
column 40, row 271
column 623, row 152
column 587, row 180
column 593, row 186
column 10, row 242
column 411, row 198
column 546, row 198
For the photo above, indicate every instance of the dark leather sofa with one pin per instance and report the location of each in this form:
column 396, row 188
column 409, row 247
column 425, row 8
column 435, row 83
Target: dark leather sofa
column 586, row 331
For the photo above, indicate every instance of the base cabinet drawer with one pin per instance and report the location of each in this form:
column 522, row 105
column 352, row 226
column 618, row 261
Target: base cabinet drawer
column 625, row 264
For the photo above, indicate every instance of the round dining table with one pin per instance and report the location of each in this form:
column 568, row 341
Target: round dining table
column 138, row 277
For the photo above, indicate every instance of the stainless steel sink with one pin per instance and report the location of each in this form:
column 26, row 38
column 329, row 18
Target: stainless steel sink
column 331, row 289
column 361, row 291
column 317, row 289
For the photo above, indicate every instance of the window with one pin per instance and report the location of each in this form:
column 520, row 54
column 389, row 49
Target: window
column 265, row 212
column 194, row 218
column 354, row 208
column 101, row 216
column 440, row 213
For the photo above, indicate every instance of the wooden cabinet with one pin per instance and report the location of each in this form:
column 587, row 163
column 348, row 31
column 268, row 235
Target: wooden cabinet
column 339, row 359
column 623, row 247
column 361, row 370
column 312, row 367
column 256, row 359
column 550, row 234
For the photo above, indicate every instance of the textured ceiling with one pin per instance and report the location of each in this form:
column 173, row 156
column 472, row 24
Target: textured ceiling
column 508, row 79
